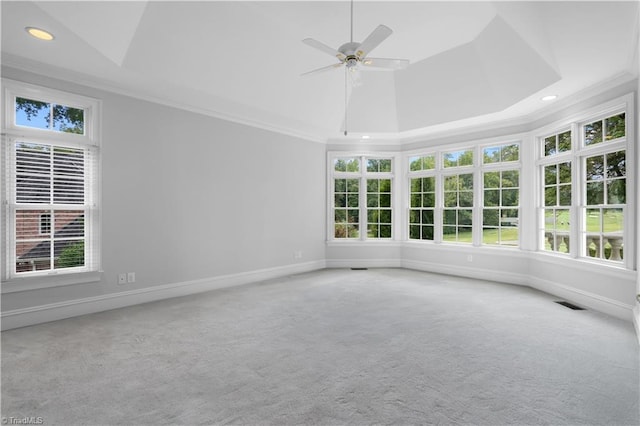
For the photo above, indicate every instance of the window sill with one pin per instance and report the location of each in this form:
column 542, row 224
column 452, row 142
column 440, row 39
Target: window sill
column 47, row 281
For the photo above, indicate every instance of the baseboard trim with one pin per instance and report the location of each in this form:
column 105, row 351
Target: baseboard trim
column 466, row 271
column 363, row 263
column 581, row 297
column 585, row 298
column 55, row 311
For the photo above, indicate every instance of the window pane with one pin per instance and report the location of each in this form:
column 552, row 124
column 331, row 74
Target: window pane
column 68, row 120
column 32, row 113
column 429, row 200
column 565, row 195
column 414, row 216
column 466, row 199
column 564, row 142
column 427, row 233
column 595, row 193
column 615, row 127
column 68, row 253
column 492, row 180
column 593, row 133
column 550, row 174
column 617, row 191
column 33, row 256
column 510, row 152
column 353, row 185
column 510, row 179
column 510, row 197
column 564, row 173
column 613, row 220
column 415, row 163
column 346, row 165
column 428, row 162
column 373, row 165
column 550, row 145
column 458, row 158
column 550, row 196
column 491, row 155
column 616, row 164
column 595, row 167
column 340, row 185
column 492, row 197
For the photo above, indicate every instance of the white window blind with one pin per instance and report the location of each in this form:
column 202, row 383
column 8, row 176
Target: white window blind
column 55, row 181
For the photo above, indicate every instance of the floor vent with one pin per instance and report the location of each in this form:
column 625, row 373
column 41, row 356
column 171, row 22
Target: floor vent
column 570, row 306
column 359, row 269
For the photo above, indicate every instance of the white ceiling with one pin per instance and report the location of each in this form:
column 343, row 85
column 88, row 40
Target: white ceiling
column 470, row 61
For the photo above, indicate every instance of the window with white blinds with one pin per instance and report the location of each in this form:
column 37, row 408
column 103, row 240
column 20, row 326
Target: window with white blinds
column 50, row 184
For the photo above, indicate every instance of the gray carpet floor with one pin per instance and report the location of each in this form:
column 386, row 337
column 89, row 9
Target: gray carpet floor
column 383, row 346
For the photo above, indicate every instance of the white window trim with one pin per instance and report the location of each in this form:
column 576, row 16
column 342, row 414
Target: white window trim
column 12, row 282
column 477, row 146
column 577, row 154
column 397, row 227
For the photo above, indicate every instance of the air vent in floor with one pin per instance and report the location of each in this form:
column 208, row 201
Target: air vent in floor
column 570, row 306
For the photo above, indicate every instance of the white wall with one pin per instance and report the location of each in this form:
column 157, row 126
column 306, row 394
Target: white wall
column 188, row 198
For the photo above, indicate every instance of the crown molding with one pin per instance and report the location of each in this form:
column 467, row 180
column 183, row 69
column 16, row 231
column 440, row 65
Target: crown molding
column 98, row 83
column 402, row 140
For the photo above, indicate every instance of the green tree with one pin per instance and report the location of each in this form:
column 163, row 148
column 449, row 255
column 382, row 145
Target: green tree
column 72, row 255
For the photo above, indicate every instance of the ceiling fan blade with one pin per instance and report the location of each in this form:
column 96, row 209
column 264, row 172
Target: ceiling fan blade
column 392, row 64
column 323, row 69
column 324, row 48
column 375, row 38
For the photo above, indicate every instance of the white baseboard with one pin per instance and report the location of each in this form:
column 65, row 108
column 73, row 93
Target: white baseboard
column 55, row 311
column 580, row 297
column 466, row 271
column 584, row 298
column 363, row 263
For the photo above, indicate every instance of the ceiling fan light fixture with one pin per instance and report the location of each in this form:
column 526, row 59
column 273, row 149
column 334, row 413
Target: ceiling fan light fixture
column 40, row 34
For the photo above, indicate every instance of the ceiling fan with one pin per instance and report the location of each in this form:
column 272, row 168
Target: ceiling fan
column 354, row 54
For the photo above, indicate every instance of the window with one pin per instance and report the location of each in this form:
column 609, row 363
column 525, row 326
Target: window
column 557, row 190
column 500, row 212
column 584, row 189
column 362, row 194
column 45, row 223
column 51, row 182
column 422, row 208
column 604, row 188
column 501, row 194
column 458, row 208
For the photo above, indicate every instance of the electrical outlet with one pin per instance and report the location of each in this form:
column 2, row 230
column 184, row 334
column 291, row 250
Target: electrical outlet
column 469, row 258
column 122, row 279
column 131, row 277
column 297, row 254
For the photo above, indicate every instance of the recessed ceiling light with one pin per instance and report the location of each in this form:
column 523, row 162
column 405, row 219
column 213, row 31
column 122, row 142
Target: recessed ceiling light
column 549, row 97
column 39, row 34
column 365, row 136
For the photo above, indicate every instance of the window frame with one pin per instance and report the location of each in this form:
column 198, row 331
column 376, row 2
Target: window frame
column 363, row 176
column 578, row 154
column 89, row 143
